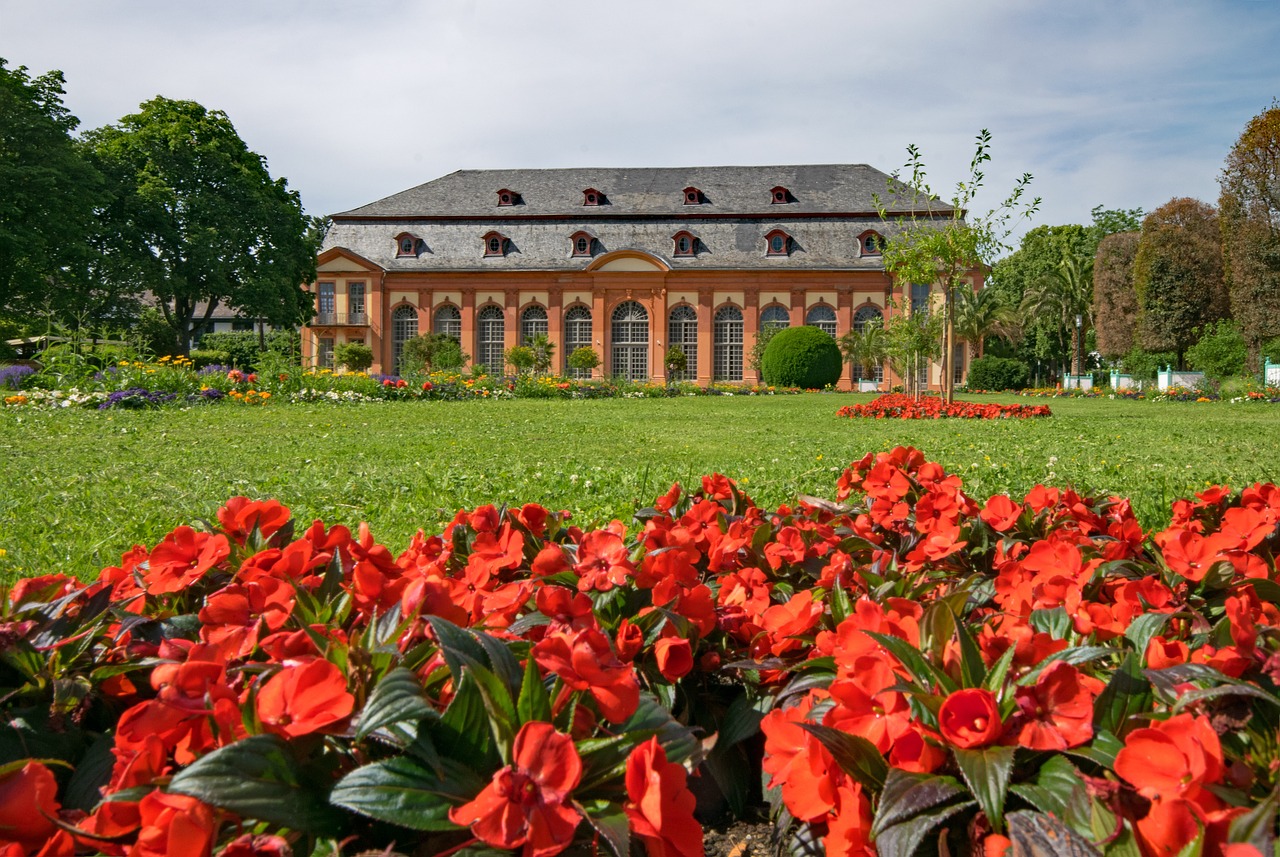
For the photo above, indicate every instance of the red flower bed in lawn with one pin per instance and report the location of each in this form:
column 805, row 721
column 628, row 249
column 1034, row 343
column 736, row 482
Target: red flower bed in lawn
column 903, row 407
column 906, row 667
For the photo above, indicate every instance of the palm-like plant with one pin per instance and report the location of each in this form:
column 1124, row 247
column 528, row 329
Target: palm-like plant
column 984, row 313
column 1063, row 294
column 865, row 346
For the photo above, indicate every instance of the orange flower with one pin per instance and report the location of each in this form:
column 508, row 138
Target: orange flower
column 182, row 558
column 969, row 718
column 27, row 796
column 300, row 700
column 241, row 515
column 1057, row 712
column 584, row 661
column 660, row 805
column 525, row 802
column 602, row 561
column 1171, row 759
column 674, row 656
column 174, row 826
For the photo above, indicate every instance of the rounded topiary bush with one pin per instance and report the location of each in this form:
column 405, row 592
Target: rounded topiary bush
column 801, row 357
column 997, row 373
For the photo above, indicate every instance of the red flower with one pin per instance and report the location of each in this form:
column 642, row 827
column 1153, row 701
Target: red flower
column 263, row 845
column 674, row 656
column 660, row 805
column 602, row 561
column 26, row 797
column 300, row 700
column 241, row 515
column 1057, row 712
column 174, row 826
column 969, row 718
column 1001, row 513
column 584, row 661
column 182, row 558
column 1171, row 759
column 525, row 802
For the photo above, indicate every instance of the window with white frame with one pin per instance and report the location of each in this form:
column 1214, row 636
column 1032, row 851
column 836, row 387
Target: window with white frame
column 404, row 326
column 823, row 317
column 355, row 303
column 727, row 344
column 682, row 330
column 490, row 331
column 577, row 334
column 533, row 322
column 630, row 340
column 868, row 315
column 776, row 317
column 324, row 353
column 325, row 302
column 448, row 321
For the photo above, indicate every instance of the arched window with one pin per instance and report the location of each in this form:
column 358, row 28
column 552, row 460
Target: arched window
column 684, row 243
column 682, row 330
column 630, row 339
column 776, row 317
column 868, row 315
column 577, row 334
column 490, row 330
column 823, row 317
column 448, row 321
column 580, row 243
column 870, row 244
column 727, row 351
column 533, row 321
column 777, row 243
column 495, row 244
column 404, row 326
column 780, row 195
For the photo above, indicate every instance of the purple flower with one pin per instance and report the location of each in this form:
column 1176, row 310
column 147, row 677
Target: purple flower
column 136, row 397
column 11, row 377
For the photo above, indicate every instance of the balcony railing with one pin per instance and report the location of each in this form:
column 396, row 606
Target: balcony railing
column 324, row 319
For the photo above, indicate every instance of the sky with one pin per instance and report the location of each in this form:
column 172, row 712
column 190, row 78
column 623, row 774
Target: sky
column 1116, row 103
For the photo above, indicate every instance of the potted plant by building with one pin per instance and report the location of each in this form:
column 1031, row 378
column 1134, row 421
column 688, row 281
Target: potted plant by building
column 584, row 359
column 676, row 362
column 520, row 358
column 353, row 356
column 866, row 348
column 544, row 352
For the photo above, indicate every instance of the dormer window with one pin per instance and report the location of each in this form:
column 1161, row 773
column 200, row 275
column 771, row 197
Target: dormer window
column 777, row 243
column 582, row 243
column 591, row 196
column 495, row 244
column 508, row 197
column 406, row 245
column 780, row 195
column 871, row 244
column 693, row 196
column 684, row 244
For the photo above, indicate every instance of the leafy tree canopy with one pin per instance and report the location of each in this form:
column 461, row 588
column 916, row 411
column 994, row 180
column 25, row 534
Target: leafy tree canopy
column 199, row 222
column 48, row 192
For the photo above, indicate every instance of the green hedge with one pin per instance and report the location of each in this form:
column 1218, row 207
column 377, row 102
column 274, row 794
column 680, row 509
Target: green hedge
column 997, row 373
column 801, row 357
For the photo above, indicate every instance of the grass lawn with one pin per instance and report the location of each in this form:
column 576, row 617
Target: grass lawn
column 79, row 487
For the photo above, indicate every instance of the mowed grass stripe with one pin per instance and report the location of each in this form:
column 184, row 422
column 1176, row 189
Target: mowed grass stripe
column 80, row 487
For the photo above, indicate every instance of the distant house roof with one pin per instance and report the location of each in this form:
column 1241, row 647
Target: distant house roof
column 650, row 191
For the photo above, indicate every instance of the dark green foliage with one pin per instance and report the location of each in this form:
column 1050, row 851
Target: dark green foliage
column 584, row 358
column 1115, row 303
column 1177, row 274
column 1220, row 352
column 1143, row 364
column 801, row 357
column 997, row 373
column 1250, row 204
column 432, row 352
column 202, row 357
column 356, row 356
column 244, row 348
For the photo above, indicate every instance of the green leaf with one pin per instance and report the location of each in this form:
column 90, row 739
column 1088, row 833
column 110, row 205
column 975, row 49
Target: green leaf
column 1143, row 628
column 994, row 681
column 973, row 669
column 937, row 627
column 463, row 732
column 610, row 821
column 396, row 700
column 906, row 795
column 1191, row 697
column 403, row 791
column 902, row 840
column 503, row 721
column 1040, row 833
column 533, row 703
column 841, row 605
column 1074, row 656
column 1258, row 826
column 1058, row 785
column 988, row 772
column 855, row 755
column 259, row 778
column 1128, row 693
column 741, row 721
column 503, row 663
column 924, row 672
column 732, row 773
column 1055, row 622
column 457, row 645
column 1102, row 750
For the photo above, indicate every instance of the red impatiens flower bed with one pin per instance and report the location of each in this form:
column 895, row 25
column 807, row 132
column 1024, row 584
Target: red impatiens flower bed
column 903, row 668
column 903, row 407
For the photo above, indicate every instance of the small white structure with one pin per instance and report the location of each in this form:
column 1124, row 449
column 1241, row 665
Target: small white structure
column 1271, row 374
column 1167, row 377
column 1077, row 382
column 1122, row 382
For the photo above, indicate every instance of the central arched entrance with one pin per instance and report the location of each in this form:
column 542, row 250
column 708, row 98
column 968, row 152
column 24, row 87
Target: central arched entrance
column 630, row 342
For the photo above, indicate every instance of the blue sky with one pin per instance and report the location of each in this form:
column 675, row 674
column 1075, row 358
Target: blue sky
column 1117, row 103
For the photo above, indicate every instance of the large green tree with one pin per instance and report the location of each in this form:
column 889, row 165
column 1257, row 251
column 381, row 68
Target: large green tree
column 48, row 195
column 1177, row 274
column 198, row 222
column 943, row 244
column 1063, row 297
column 1115, row 303
column 1250, row 222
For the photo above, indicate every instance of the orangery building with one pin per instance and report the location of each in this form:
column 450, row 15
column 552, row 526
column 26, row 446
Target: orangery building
column 629, row 262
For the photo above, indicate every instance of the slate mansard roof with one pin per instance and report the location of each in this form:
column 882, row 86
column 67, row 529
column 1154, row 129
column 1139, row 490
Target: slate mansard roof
column 827, row 208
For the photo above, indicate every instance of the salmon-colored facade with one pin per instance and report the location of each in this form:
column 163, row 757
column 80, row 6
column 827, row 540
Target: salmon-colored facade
column 628, row 262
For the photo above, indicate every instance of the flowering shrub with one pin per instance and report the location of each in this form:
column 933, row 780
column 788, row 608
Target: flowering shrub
column 904, row 665
column 903, row 407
